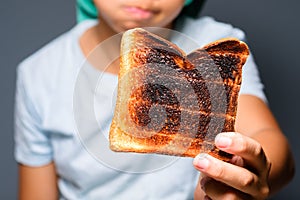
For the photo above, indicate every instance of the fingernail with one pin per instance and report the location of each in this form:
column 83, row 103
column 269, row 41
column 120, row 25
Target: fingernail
column 203, row 181
column 223, row 141
column 207, row 197
column 201, row 161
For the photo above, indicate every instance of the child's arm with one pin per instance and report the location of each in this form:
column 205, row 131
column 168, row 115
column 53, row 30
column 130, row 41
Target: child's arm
column 263, row 161
column 37, row 183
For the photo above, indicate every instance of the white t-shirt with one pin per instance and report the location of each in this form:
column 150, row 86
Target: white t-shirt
column 64, row 109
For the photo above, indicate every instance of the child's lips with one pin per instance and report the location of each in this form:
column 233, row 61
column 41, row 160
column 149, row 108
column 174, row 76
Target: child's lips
column 139, row 13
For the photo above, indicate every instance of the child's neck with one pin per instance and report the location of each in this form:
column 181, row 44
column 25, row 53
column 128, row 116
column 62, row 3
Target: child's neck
column 91, row 39
column 94, row 36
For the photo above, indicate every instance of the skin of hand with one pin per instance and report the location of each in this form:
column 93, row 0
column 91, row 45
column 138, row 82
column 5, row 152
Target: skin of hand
column 246, row 177
column 258, row 168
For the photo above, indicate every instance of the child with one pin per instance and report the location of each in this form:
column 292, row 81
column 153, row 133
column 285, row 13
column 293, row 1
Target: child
column 52, row 162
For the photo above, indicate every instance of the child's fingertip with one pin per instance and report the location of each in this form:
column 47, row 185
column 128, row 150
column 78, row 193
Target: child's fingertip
column 223, row 141
column 201, row 161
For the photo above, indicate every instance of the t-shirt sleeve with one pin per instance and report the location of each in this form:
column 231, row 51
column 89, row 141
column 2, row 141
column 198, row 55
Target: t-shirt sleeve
column 251, row 81
column 206, row 30
column 32, row 144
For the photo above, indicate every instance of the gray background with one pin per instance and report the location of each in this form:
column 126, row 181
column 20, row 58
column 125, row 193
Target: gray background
column 272, row 29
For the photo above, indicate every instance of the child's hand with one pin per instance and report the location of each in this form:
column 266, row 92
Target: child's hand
column 246, row 177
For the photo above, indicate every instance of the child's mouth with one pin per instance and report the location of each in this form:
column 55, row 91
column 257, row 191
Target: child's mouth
column 139, row 13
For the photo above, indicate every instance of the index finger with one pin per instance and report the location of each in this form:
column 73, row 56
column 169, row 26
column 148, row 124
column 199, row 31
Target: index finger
column 249, row 149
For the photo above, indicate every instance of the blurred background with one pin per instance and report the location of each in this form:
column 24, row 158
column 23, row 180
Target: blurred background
column 272, row 29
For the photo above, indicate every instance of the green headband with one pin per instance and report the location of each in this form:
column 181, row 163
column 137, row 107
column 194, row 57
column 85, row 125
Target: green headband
column 86, row 9
column 187, row 2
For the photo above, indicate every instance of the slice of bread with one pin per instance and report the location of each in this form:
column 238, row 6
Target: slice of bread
column 175, row 104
